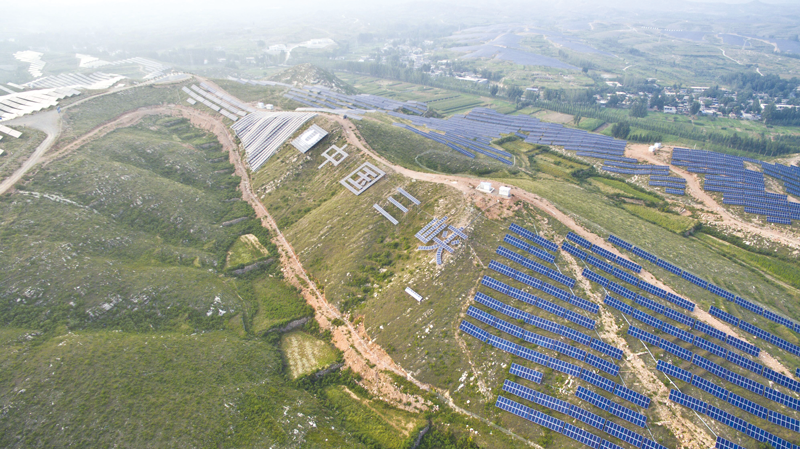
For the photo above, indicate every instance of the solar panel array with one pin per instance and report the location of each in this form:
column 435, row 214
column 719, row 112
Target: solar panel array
column 537, row 239
column 543, row 341
column 611, row 407
column 741, row 186
column 472, row 133
column 728, row 419
column 519, row 350
column 537, row 267
column 519, row 243
column 526, row 373
column 558, row 293
column 725, row 444
column 597, row 249
column 738, row 401
column 758, row 310
column 263, row 133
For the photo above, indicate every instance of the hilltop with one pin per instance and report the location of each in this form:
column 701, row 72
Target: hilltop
column 309, row 74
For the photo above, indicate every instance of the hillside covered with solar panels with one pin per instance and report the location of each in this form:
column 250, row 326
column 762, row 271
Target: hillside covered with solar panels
column 439, row 230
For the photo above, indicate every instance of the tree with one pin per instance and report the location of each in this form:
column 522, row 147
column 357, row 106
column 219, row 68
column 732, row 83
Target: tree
column 514, row 93
column 493, row 90
column 756, row 108
column 576, row 120
column 769, row 112
column 695, row 108
column 639, row 109
column 620, row 130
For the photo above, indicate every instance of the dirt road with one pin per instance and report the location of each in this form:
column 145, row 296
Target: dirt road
column 50, row 123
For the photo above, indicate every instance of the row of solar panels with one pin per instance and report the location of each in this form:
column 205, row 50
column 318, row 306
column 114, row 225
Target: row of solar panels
column 604, row 156
column 535, row 238
column 758, row 333
column 549, row 289
column 549, row 307
column 706, row 285
column 702, row 362
column 728, row 419
column 581, row 414
column 597, row 249
column 573, row 432
column 536, row 267
column 730, row 397
column 541, row 340
column 632, row 280
column 520, row 351
column 518, row 243
column 548, row 325
column 686, row 336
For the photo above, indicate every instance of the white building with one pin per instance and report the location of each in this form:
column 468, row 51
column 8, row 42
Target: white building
column 505, row 191
column 485, row 187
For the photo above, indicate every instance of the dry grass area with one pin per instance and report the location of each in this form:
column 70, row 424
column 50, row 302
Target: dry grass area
column 305, row 354
column 246, row 249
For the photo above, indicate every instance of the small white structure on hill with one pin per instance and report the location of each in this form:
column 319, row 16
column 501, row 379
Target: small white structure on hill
column 505, row 191
column 654, row 147
column 414, row 294
column 485, row 187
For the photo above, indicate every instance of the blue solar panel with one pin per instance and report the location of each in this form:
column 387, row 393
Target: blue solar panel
column 529, row 414
column 579, row 240
column 724, row 316
column 745, row 363
column 539, row 240
column 614, row 240
column 674, row 349
column 609, row 445
column 598, row 381
column 535, row 266
column 713, row 348
column 682, row 302
column 632, row 396
column 679, row 317
column 712, row 331
column 619, row 305
column 526, row 373
column 650, row 444
column 644, row 255
column 780, row 379
column 727, row 418
column 674, row 371
column 782, row 398
column 680, row 333
column 601, row 364
column 647, row 319
column 582, row 436
column 575, row 251
column 758, row 310
column 783, row 421
column 710, row 387
column 628, row 436
column 748, row 405
column 587, row 417
column 541, row 254
column 607, row 349
column 536, row 397
column 593, row 398
column 725, row 444
column 650, row 304
column 687, row 401
column 743, row 346
column 741, row 381
column 599, row 250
